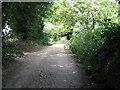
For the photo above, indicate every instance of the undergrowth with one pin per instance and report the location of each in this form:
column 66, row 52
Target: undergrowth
column 99, row 50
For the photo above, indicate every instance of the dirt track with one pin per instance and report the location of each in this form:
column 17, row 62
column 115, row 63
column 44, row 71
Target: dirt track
column 50, row 67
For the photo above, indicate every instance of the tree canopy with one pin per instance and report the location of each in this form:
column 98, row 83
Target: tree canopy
column 25, row 19
column 91, row 28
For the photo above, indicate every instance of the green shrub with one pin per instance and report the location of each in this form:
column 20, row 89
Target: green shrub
column 107, row 59
column 99, row 50
column 85, row 45
column 10, row 51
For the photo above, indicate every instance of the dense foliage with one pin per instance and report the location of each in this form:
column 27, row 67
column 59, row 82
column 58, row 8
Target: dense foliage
column 25, row 19
column 106, row 60
column 95, row 36
column 25, row 22
column 91, row 28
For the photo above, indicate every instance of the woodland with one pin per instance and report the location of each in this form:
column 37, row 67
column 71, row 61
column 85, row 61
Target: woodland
column 90, row 28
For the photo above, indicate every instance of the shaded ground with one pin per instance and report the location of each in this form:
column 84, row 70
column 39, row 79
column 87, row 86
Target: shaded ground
column 49, row 67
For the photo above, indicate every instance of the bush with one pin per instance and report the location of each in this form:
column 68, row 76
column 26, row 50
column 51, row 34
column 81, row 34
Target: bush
column 85, row 45
column 99, row 50
column 107, row 59
column 10, row 51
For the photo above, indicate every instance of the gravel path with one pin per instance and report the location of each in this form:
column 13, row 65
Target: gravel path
column 50, row 67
